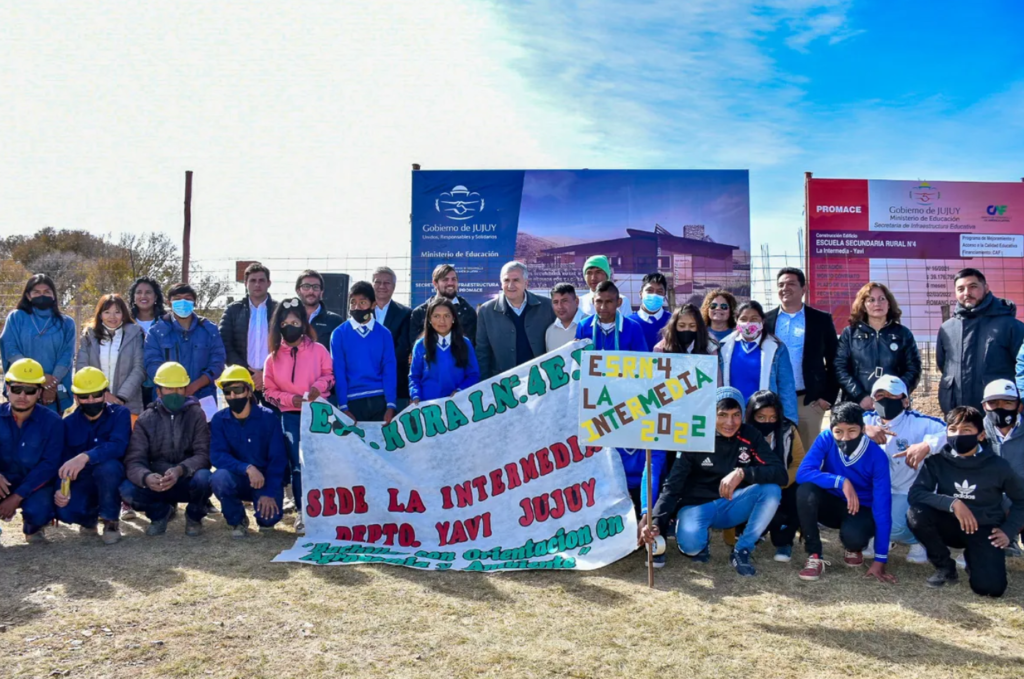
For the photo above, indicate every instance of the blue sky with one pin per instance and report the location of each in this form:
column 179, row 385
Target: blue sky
column 301, row 120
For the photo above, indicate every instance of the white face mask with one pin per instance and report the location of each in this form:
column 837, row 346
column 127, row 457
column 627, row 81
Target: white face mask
column 749, row 331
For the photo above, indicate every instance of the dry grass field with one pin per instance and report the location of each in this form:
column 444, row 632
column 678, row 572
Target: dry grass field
column 179, row 607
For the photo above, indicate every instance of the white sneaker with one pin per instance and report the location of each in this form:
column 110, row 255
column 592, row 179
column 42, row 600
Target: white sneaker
column 869, row 551
column 961, row 561
column 917, row 554
column 127, row 513
column 300, row 526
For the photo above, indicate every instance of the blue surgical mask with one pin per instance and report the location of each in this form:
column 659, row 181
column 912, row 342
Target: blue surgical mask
column 183, row 307
column 653, row 302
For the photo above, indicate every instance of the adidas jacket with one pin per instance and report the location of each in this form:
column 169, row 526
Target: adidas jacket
column 979, row 481
column 695, row 477
column 910, row 427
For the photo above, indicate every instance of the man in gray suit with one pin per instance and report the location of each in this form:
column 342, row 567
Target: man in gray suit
column 510, row 329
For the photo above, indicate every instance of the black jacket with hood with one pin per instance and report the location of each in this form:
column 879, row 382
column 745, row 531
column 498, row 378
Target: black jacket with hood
column 975, row 347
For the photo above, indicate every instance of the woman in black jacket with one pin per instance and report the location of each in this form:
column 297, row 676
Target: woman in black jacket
column 875, row 344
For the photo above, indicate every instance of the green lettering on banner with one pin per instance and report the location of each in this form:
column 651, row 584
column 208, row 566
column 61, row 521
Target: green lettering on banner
column 479, row 412
column 321, row 423
column 649, row 401
column 392, row 439
column 605, row 397
column 535, row 386
column 702, row 378
column 554, row 368
column 456, row 418
column 504, row 394
column 432, row 420
column 411, row 424
column 700, row 423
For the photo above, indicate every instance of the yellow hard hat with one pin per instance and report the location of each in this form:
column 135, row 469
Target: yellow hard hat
column 171, row 375
column 89, row 381
column 26, row 371
column 235, row 373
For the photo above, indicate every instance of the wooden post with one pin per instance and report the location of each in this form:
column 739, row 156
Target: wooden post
column 650, row 507
column 186, row 249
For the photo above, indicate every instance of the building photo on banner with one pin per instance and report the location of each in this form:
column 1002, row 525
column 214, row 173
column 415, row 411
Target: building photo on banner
column 691, row 225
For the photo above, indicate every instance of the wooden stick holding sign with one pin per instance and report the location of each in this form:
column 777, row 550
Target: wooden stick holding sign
column 647, row 512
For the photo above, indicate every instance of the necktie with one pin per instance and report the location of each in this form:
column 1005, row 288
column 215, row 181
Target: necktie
column 444, row 343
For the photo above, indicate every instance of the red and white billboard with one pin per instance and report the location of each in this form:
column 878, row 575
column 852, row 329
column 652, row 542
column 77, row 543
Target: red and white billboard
column 912, row 236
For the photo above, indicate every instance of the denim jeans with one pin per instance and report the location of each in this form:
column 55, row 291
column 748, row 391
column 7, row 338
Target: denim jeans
column 95, row 494
column 195, row 491
column 292, row 424
column 900, row 532
column 754, row 505
column 232, row 489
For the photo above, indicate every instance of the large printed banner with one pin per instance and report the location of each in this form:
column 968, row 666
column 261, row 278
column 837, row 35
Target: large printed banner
column 912, row 236
column 643, row 400
column 691, row 225
column 494, row 478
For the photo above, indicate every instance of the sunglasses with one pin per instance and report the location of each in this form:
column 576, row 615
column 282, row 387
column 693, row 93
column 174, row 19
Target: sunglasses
column 716, row 305
column 29, row 391
column 236, row 390
column 89, row 397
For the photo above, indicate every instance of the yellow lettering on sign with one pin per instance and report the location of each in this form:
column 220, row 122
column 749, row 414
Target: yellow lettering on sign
column 675, row 387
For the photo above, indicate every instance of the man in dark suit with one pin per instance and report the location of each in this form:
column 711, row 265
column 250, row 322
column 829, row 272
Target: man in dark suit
column 810, row 336
column 245, row 325
column 446, row 284
column 395, row 317
column 510, row 329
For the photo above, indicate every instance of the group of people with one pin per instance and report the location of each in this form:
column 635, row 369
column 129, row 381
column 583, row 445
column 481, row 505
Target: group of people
column 138, row 438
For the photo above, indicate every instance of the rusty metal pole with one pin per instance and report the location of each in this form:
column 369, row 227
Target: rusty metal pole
column 186, row 250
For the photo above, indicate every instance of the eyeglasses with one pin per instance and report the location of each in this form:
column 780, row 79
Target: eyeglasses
column 28, row 391
column 236, row 390
column 716, row 305
column 307, row 287
column 290, row 303
column 89, row 397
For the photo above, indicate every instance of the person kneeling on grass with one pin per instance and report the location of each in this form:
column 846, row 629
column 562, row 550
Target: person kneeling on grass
column 96, row 437
column 168, row 458
column 738, row 483
column 957, row 501
column 907, row 437
column 843, row 476
column 247, row 448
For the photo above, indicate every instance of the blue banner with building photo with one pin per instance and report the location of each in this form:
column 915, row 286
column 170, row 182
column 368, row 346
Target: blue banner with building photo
column 691, row 225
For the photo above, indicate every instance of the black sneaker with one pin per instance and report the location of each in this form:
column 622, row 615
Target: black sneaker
column 740, row 560
column 943, row 577
column 159, row 527
column 703, row 556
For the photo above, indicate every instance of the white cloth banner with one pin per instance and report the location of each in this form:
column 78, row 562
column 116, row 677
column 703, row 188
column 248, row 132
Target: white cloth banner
column 494, row 478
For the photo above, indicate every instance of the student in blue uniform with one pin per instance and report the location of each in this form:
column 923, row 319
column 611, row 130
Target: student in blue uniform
column 443, row 360
column 31, row 439
column 365, row 366
column 652, row 315
column 608, row 328
column 96, row 437
column 247, row 448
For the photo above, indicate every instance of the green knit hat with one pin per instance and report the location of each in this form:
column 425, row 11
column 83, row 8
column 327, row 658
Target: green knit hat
column 600, row 262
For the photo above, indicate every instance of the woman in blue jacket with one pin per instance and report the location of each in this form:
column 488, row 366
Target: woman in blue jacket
column 443, row 361
column 37, row 329
column 753, row 360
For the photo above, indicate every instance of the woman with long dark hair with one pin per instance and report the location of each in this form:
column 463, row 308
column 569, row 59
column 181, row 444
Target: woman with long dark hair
column 443, row 360
column 146, row 301
column 37, row 329
column 114, row 343
column 764, row 413
column 686, row 333
column 297, row 369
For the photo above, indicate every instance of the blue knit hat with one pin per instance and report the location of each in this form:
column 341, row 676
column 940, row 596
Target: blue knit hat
column 723, row 393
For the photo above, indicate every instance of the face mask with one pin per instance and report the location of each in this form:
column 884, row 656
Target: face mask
column 237, row 405
column 173, row 402
column 361, row 315
column 889, row 408
column 963, row 443
column 849, row 447
column 687, row 337
column 765, row 428
column 291, row 333
column 42, row 303
column 653, row 302
column 749, row 331
column 183, row 307
column 1002, row 417
column 91, row 410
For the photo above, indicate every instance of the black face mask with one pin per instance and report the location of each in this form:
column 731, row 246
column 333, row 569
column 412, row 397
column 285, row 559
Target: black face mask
column 687, row 337
column 361, row 315
column 291, row 333
column 849, row 447
column 1002, row 417
column 889, row 408
column 765, row 428
column 91, row 410
column 962, row 443
column 42, row 303
column 237, row 405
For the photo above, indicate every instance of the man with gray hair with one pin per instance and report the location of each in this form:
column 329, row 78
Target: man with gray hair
column 510, row 329
column 395, row 317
